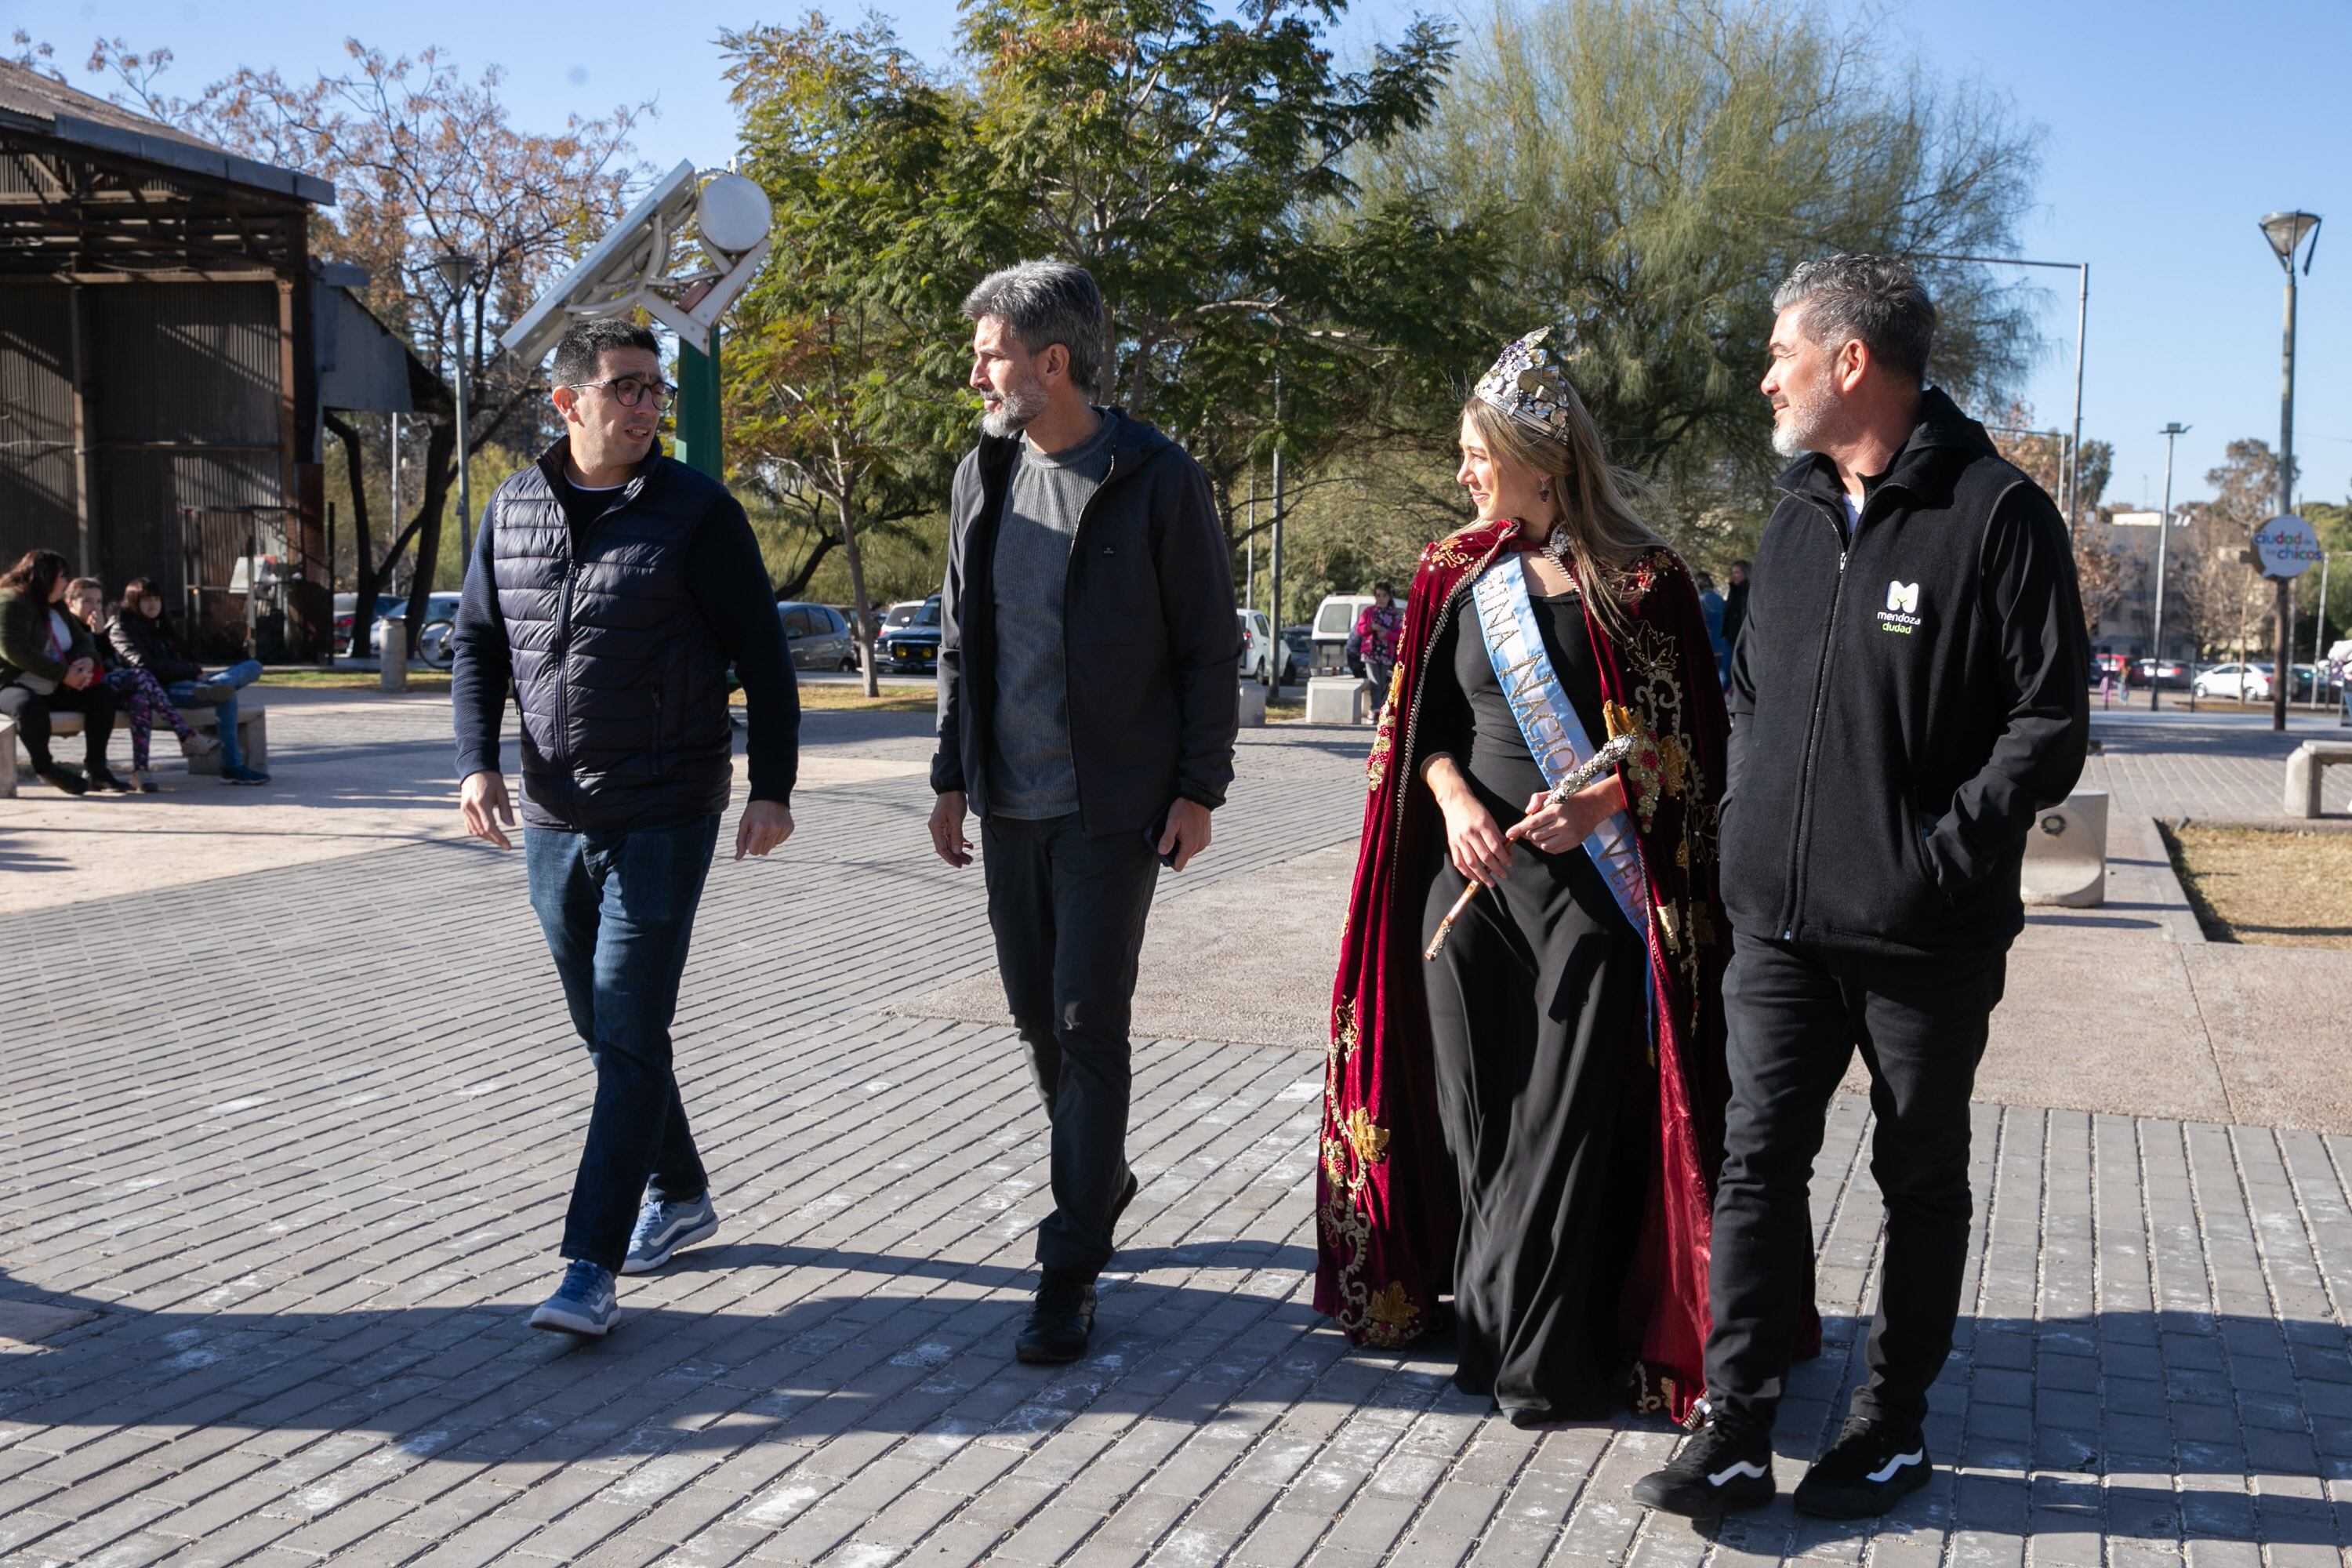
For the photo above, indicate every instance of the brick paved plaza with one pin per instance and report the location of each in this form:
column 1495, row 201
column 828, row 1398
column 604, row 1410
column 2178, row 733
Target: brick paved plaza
column 286, row 1155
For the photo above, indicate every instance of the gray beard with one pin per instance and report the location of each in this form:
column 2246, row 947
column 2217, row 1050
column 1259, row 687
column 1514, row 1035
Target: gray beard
column 1809, row 414
column 1022, row 404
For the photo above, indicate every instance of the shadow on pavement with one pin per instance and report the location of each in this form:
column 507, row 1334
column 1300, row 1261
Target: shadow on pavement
column 475, row 1383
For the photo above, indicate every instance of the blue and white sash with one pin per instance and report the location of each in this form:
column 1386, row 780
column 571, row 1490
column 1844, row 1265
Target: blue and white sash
column 1554, row 734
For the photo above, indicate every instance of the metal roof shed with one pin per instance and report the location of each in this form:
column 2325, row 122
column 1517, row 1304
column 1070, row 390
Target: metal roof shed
column 158, row 340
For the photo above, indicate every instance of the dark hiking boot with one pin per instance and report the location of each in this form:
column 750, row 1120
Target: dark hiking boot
column 1871, row 1468
column 1724, row 1467
column 56, row 776
column 1062, row 1320
column 103, row 778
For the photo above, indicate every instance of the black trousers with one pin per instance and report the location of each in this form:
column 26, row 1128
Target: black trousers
column 30, row 710
column 1068, row 913
column 1796, row 1019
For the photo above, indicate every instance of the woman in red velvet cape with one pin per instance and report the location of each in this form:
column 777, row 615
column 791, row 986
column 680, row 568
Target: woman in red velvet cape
column 1388, row 1210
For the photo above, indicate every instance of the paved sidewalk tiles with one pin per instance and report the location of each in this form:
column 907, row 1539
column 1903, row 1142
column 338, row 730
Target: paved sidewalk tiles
column 302, row 1163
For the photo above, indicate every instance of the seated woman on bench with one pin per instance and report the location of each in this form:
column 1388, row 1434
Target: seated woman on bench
column 49, row 666
column 143, row 639
column 143, row 702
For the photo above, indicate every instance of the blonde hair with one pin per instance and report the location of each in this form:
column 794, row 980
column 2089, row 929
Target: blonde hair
column 1605, row 536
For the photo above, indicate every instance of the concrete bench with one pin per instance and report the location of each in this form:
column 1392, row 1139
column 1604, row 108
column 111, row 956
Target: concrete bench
column 252, row 738
column 1253, row 705
column 2307, row 766
column 1341, row 699
column 2066, row 853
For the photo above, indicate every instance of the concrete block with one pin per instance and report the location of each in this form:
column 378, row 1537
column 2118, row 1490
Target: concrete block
column 1338, row 700
column 2306, row 767
column 392, row 671
column 1253, row 705
column 2066, row 853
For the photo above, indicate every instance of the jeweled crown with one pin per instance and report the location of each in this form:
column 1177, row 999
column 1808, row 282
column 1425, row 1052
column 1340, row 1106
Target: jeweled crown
column 1528, row 385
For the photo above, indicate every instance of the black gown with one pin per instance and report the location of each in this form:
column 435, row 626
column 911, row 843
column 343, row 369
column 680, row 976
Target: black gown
column 1536, row 1017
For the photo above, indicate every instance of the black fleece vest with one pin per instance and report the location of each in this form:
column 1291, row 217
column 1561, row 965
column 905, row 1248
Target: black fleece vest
column 621, row 684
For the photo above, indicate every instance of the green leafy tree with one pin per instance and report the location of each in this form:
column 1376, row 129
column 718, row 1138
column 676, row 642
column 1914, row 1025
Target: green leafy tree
column 1195, row 163
column 838, row 373
column 425, row 162
column 1647, row 171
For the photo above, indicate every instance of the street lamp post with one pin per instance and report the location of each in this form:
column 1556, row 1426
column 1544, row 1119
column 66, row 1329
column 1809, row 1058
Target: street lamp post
column 2071, row 479
column 2286, row 232
column 1274, row 562
column 457, row 271
column 2172, row 432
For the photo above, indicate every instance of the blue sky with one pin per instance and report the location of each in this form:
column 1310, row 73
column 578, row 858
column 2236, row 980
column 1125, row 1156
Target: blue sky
column 2171, row 128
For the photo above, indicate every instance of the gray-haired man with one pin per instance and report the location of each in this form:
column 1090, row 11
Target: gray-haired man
column 1906, row 694
column 1089, row 656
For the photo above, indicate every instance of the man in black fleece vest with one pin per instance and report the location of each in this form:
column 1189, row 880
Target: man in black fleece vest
column 1910, row 690
column 611, row 588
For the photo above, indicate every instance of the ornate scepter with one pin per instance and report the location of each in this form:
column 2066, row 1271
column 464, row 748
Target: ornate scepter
column 1583, row 773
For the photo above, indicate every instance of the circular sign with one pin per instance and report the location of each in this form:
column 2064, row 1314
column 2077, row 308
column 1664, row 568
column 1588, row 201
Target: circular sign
column 2286, row 546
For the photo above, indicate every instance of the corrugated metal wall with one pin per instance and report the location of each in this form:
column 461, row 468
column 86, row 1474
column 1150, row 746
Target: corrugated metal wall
column 184, row 405
column 37, row 457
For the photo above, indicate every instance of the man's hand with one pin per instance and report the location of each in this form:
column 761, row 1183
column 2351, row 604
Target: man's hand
column 765, row 825
column 947, row 828
column 81, row 675
column 483, row 799
column 1187, row 834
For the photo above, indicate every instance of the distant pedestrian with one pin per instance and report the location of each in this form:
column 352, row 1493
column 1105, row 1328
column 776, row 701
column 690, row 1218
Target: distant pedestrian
column 1735, row 604
column 1908, row 693
column 611, row 588
column 1075, row 528
column 1378, row 626
column 1711, row 611
column 49, row 666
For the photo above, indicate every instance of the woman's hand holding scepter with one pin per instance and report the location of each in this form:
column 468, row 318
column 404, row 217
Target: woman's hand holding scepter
column 1560, row 795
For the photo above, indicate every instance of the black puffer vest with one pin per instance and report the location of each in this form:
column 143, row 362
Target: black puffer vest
column 621, row 684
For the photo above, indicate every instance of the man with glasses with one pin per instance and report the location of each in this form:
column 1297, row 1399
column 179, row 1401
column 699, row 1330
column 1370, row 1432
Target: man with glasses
column 611, row 587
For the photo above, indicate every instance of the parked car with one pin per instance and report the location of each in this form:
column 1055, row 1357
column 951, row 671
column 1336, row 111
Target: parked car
column 911, row 643
column 816, row 636
column 1302, row 652
column 1256, row 633
column 2250, row 683
column 2171, row 674
column 346, row 605
column 433, row 644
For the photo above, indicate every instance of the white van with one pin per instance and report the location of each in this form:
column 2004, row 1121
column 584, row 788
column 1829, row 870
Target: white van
column 1335, row 622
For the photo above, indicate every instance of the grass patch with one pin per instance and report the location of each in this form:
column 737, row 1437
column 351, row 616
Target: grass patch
column 2261, row 886
column 351, row 680
column 833, row 698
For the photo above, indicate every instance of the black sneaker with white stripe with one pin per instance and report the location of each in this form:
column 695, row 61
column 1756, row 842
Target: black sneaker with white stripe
column 1726, row 1466
column 1867, row 1470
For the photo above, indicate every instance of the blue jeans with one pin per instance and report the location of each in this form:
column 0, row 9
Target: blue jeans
column 618, row 911
column 184, row 695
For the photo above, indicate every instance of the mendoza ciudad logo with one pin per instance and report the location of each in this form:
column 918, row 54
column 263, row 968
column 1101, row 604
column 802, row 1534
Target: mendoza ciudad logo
column 1902, row 613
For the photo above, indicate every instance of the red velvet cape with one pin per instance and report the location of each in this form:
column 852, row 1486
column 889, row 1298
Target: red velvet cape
column 1387, row 1210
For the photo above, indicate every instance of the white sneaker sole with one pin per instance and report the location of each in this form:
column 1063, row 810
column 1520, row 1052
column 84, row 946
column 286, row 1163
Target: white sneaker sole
column 558, row 1321
column 632, row 1264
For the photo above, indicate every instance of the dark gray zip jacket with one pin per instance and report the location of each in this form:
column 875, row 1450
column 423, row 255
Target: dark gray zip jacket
column 608, row 645
column 1904, row 705
column 1151, row 647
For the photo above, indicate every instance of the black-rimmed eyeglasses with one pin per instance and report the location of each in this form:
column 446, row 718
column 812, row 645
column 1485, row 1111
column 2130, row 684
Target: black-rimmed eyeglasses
column 631, row 390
